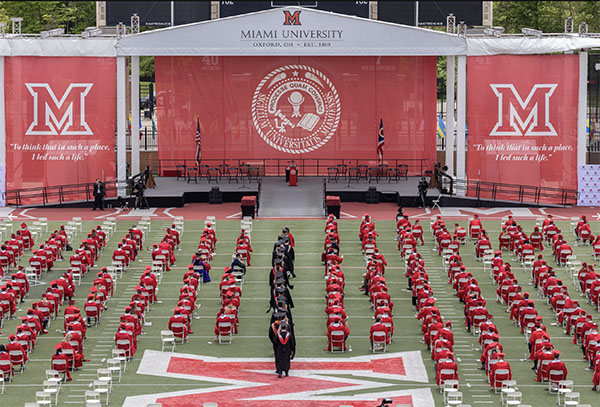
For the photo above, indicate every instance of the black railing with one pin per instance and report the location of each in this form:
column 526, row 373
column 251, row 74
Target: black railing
column 306, row 166
column 148, row 142
column 56, row 195
column 493, row 191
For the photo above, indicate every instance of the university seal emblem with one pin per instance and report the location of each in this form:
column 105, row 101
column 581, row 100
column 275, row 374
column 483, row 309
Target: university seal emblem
column 296, row 109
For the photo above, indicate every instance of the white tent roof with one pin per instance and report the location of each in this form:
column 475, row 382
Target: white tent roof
column 316, row 33
column 58, row 46
column 529, row 45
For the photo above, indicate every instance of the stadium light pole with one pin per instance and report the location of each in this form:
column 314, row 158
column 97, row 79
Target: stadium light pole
column 172, row 14
column 16, row 25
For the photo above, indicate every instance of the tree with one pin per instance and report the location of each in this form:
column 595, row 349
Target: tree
column 73, row 16
column 548, row 16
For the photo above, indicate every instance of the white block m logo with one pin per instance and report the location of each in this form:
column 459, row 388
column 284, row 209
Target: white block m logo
column 53, row 116
column 518, row 117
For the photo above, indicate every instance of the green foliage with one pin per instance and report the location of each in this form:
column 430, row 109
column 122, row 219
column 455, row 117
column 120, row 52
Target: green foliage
column 548, row 16
column 147, row 68
column 73, row 16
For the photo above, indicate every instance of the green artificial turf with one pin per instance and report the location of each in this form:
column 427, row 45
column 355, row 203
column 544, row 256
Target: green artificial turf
column 309, row 297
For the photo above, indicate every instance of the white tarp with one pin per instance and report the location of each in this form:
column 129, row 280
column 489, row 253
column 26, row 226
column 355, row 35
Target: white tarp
column 58, row 46
column 529, row 45
column 588, row 185
column 292, row 31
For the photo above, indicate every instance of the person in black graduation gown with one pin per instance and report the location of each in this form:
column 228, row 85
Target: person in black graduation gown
column 285, row 349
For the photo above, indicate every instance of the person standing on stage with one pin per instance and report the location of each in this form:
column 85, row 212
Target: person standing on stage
column 284, row 345
column 99, row 192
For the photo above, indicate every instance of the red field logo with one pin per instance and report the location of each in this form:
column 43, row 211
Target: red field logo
column 523, row 117
column 251, row 382
column 291, row 19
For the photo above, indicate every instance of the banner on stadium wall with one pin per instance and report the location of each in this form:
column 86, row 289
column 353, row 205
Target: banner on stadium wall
column 588, row 185
column 522, row 118
column 296, row 107
column 60, row 121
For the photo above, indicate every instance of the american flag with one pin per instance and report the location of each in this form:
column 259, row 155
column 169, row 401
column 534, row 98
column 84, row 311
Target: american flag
column 198, row 141
column 380, row 141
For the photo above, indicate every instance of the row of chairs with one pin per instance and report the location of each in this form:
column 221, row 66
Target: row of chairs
column 122, row 353
column 337, row 328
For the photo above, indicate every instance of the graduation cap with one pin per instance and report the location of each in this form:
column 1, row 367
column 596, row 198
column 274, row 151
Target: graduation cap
column 278, row 260
column 280, row 281
column 280, row 290
column 23, row 225
column 279, row 315
column 58, row 346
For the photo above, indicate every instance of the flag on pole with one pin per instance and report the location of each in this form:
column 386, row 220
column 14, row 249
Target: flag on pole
column 198, row 141
column 139, row 127
column 441, row 127
column 380, row 141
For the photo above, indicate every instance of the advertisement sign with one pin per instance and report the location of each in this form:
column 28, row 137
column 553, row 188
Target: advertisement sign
column 60, row 121
column 522, row 118
column 296, row 107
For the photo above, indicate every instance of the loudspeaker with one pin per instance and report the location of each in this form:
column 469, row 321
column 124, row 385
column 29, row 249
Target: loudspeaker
column 372, row 196
column 215, row 196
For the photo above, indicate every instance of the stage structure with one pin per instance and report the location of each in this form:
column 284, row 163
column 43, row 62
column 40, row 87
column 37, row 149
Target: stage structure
column 294, row 83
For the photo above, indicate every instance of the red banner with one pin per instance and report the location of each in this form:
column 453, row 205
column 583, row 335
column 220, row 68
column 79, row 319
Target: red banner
column 522, row 120
column 296, row 107
column 60, row 121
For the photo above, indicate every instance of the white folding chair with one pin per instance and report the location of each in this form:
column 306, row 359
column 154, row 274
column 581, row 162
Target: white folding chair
column 167, row 339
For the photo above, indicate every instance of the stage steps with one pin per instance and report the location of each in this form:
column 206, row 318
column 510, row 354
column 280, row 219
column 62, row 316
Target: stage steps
column 278, row 200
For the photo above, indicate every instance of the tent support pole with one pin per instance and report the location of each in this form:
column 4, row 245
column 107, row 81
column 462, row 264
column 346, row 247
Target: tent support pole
column 121, row 113
column 450, row 70
column 461, row 113
column 582, row 109
column 135, row 115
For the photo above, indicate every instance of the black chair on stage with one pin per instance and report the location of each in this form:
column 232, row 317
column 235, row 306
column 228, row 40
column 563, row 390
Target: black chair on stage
column 253, row 174
column 223, row 170
column 244, row 168
column 373, row 173
column 213, row 174
column 192, row 172
column 202, row 171
column 180, row 171
column 353, row 174
column 342, row 170
column 363, row 171
column 233, row 173
column 403, row 171
column 332, row 174
column 383, row 170
column 392, row 174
